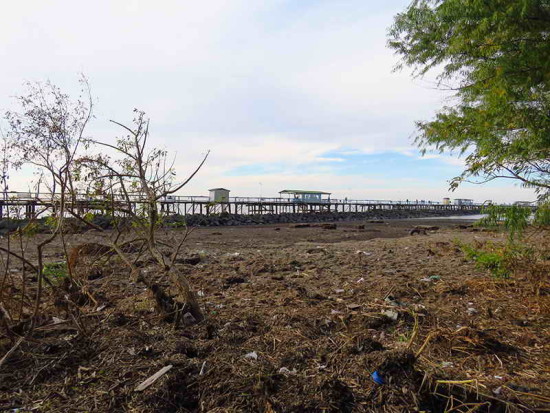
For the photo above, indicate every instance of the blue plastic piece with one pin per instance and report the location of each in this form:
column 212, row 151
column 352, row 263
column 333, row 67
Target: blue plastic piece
column 377, row 378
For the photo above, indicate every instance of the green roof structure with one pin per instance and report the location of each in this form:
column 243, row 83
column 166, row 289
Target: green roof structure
column 300, row 192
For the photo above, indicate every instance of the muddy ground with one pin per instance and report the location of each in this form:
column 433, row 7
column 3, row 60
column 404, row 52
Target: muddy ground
column 298, row 320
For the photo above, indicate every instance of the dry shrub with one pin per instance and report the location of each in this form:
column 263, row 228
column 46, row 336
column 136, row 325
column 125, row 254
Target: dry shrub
column 83, row 259
column 534, row 266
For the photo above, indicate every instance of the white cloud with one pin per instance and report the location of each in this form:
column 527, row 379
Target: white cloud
column 270, row 82
column 351, row 186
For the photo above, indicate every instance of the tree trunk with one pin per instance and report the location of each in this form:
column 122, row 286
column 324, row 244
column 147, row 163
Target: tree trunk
column 186, row 293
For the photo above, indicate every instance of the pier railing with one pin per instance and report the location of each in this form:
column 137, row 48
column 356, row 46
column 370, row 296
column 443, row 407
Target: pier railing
column 31, row 204
column 14, row 197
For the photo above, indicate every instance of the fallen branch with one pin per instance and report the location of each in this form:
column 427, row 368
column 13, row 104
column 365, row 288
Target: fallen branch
column 11, row 351
column 142, row 386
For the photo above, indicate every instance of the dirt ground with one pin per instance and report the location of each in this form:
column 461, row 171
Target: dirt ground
column 363, row 317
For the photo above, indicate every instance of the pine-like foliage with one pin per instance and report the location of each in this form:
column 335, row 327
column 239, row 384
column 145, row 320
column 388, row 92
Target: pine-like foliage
column 495, row 54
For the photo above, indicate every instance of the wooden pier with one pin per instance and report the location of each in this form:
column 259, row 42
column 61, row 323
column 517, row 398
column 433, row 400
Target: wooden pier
column 26, row 206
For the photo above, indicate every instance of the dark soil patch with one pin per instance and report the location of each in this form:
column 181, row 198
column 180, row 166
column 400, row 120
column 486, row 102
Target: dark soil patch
column 293, row 326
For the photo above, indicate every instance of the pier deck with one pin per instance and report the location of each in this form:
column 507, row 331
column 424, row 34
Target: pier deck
column 22, row 204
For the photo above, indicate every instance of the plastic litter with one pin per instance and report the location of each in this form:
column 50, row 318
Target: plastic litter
column 391, row 314
column 377, row 378
column 431, row 278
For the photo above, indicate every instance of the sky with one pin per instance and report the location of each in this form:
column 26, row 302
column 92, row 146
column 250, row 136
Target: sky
column 286, row 94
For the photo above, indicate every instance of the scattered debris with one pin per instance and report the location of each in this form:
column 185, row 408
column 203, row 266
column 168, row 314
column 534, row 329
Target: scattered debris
column 251, row 356
column 188, row 319
column 308, row 291
column 431, row 278
column 365, row 253
column 419, row 231
column 145, row 384
column 377, row 378
column 287, row 372
column 471, row 311
column 320, row 345
column 391, row 314
column 191, row 260
column 203, row 367
column 316, row 250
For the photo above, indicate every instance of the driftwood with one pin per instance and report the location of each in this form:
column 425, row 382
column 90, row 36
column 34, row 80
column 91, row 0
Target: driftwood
column 11, row 351
column 143, row 385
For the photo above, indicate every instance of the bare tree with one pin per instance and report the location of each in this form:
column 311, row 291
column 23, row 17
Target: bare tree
column 47, row 132
column 136, row 180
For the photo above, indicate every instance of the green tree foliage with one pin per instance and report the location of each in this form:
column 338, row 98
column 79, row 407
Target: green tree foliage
column 514, row 219
column 542, row 216
column 495, row 56
column 493, row 260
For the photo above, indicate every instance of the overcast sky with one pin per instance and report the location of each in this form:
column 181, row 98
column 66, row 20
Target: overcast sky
column 287, row 94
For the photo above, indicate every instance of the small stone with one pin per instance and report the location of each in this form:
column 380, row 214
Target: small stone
column 471, row 311
column 391, row 314
column 188, row 319
column 365, row 253
column 192, row 260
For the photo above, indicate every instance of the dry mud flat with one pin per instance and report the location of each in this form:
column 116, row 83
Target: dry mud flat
column 298, row 320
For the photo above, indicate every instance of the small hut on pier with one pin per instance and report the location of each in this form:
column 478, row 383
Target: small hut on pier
column 299, row 195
